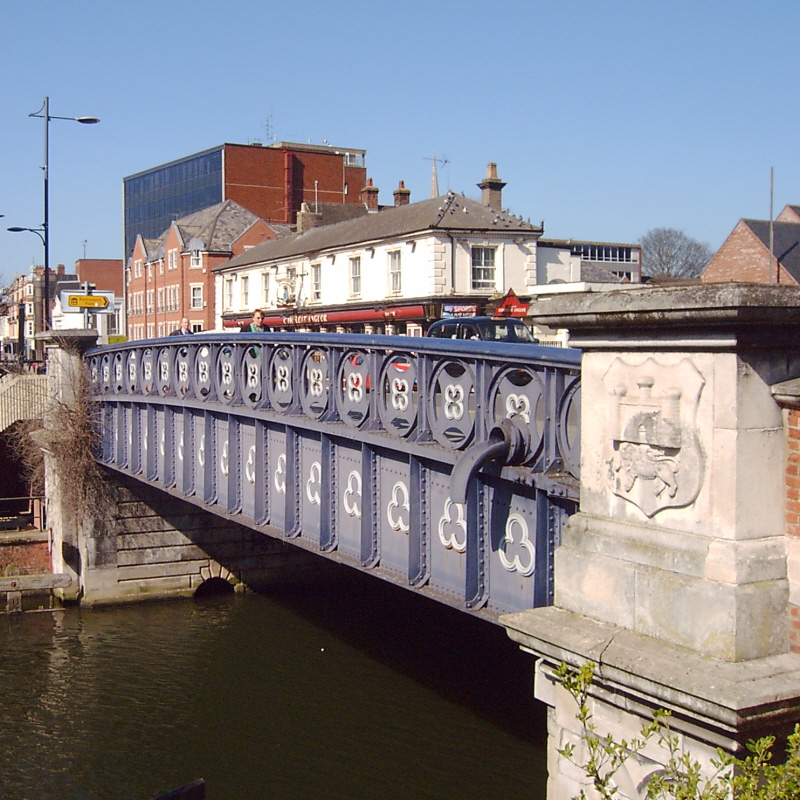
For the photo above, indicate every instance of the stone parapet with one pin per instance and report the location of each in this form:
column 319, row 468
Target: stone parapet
column 716, row 598
column 677, row 576
column 701, row 317
column 723, row 703
column 680, row 534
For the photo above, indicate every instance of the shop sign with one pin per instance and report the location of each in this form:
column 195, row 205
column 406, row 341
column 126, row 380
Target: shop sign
column 512, row 306
column 463, row 310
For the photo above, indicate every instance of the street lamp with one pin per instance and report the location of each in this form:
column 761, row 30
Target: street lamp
column 21, row 317
column 44, row 231
column 38, row 231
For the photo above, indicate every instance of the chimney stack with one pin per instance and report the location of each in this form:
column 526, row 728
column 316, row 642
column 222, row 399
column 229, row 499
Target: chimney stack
column 492, row 188
column 402, row 196
column 369, row 196
column 307, row 219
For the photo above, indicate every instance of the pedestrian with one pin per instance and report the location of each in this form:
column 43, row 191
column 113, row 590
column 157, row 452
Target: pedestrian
column 184, row 329
column 257, row 325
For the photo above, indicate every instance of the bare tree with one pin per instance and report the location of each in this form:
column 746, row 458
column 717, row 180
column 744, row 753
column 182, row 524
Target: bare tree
column 670, row 253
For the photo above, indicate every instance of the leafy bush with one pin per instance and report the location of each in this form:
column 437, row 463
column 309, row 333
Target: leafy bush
column 754, row 777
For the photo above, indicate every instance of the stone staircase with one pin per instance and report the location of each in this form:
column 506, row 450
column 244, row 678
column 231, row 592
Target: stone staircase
column 21, row 397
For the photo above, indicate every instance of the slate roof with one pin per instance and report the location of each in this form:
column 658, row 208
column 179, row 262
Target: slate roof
column 598, row 274
column 451, row 212
column 339, row 212
column 217, row 226
column 786, row 242
column 152, row 247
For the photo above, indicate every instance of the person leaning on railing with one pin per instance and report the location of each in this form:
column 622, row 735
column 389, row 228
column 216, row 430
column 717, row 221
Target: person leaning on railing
column 257, row 325
column 184, row 329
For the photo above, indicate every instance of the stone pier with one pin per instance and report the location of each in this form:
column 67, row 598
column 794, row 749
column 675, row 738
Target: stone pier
column 138, row 543
column 672, row 577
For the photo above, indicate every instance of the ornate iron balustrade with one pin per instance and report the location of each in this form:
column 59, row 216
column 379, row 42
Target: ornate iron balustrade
column 445, row 466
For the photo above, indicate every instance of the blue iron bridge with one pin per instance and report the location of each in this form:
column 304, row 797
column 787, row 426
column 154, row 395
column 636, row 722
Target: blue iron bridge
column 448, row 467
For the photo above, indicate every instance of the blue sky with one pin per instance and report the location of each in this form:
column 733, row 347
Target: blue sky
column 606, row 119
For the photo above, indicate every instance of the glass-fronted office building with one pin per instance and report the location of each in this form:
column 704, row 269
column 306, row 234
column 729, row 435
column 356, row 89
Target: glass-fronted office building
column 270, row 181
column 156, row 197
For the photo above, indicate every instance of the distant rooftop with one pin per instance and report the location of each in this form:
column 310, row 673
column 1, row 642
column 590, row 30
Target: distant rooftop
column 452, row 212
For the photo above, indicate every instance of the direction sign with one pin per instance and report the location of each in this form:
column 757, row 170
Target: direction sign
column 87, row 301
column 101, row 302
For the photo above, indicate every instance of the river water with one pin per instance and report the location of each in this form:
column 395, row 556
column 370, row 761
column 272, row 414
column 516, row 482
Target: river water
column 350, row 689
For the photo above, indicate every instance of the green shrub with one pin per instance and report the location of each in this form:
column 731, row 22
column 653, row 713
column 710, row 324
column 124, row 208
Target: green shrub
column 754, row 777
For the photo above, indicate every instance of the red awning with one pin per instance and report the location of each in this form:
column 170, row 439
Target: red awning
column 336, row 317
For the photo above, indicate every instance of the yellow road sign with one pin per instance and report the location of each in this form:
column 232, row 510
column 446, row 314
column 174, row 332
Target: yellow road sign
column 87, row 301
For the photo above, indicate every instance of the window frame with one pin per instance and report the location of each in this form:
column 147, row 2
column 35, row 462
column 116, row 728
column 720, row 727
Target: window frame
column 354, row 272
column 483, row 274
column 395, row 272
column 316, row 282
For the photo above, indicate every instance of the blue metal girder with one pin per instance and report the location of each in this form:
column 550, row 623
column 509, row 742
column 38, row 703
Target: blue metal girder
column 347, row 444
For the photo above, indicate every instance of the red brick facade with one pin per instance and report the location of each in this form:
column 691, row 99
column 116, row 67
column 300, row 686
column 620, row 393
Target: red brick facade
column 104, row 273
column 743, row 258
column 161, row 291
column 274, row 182
column 23, row 555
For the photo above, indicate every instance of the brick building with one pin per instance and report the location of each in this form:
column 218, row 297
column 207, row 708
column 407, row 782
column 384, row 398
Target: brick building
column 103, row 273
column 171, row 277
column 26, row 310
column 396, row 268
column 745, row 254
column 392, row 270
column 272, row 182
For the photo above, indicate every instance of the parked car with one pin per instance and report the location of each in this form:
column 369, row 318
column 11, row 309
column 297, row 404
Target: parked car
column 488, row 329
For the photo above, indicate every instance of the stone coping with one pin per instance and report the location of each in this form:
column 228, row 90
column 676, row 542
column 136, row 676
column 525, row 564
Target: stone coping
column 734, row 696
column 723, row 306
column 787, row 393
column 29, row 536
column 70, row 338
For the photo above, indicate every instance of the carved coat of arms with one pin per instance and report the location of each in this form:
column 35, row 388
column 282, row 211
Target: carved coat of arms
column 654, row 458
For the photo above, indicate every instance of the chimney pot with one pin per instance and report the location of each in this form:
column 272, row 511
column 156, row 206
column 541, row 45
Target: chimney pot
column 492, row 188
column 402, row 196
column 369, row 196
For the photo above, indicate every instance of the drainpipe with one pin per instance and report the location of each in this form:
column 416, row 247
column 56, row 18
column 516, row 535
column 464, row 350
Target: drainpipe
column 452, row 262
column 287, row 187
column 508, row 443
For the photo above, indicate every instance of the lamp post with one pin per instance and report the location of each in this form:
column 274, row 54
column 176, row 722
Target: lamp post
column 44, row 231
column 40, row 232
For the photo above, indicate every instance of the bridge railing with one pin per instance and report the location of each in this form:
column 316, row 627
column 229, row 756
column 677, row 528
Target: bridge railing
column 279, row 427
column 418, row 390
